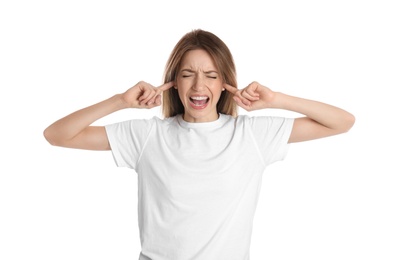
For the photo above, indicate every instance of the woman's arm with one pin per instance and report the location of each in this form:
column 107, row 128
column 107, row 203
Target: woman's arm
column 75, row 130
column 321, row 120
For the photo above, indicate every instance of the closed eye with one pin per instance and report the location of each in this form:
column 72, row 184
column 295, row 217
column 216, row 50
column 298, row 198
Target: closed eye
column 211, row 74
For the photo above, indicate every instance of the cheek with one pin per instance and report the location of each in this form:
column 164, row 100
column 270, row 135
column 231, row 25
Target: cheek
column 182, row 93
column 217, row 90
column 181, row 89
column 182, row 85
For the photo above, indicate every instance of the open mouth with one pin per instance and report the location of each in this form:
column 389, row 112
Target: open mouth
column 199, row 101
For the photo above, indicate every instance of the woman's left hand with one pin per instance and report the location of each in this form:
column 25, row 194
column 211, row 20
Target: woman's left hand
column 253, row 97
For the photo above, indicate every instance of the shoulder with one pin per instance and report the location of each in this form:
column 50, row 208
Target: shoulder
column 133, row 125
column 146, row 121
column 264, row 122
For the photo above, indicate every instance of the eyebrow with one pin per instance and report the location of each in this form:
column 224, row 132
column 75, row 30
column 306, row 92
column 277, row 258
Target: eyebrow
column 192, row 71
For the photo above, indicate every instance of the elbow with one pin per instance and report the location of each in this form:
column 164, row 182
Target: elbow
column 348, row 122
column 47, row 136
column 50, row 137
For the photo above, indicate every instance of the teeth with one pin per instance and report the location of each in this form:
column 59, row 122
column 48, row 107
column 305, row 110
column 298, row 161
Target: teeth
column 199, row 98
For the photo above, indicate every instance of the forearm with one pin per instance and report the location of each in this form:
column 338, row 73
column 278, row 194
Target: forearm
column 71, row 125
column 327, row 115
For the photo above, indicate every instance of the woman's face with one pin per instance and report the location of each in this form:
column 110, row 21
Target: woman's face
column 199, row 86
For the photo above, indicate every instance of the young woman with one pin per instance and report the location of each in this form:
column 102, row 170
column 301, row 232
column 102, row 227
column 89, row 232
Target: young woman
column 199, row 169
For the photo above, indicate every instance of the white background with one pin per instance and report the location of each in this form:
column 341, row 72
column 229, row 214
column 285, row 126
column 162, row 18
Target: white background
column 330, row 199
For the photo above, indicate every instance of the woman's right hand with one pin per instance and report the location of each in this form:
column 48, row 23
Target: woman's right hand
column 144, row 95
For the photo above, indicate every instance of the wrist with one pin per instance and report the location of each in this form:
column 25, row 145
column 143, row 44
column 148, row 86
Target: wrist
column 120, row 102
column 277, row 100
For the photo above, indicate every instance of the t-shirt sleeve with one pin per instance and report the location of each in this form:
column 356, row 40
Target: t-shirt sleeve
column 127, row 140
column 272, row 135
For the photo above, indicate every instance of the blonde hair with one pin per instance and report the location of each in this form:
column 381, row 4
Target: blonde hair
column 220, row 53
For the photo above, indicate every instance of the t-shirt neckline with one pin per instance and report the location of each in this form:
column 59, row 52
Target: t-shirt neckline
column 212, row 124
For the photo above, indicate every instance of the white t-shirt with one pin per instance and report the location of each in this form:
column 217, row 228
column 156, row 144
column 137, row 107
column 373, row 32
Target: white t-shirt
column 198, row 183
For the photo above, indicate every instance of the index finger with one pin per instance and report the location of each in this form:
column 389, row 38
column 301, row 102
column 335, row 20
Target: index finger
column 166, row 86
column 230, row 88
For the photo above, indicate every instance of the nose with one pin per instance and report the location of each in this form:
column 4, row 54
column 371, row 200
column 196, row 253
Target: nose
column 199, row 83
